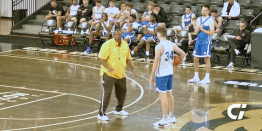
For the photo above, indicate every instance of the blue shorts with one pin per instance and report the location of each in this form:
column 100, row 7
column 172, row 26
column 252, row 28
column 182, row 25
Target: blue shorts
column 147, row 36
column 130, row 35
column 164, row 83
column 203, row 47
column 144, row 23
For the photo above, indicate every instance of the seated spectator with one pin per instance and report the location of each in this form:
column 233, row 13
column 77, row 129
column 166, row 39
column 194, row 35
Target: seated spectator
column 126, row 15
column 85, row 11
column 218, row 22
column 107, row 23
column 112, row 10
column 237, row 44
column 119, row 17
column 149, row 36
column 129, row 29
column 55, row 11
column 71, row 14
column 232, row 9
column 90, row 2
column 96, row 16
column 161, row 15
column 146, row 18
column 191, row 38
column 186, row 21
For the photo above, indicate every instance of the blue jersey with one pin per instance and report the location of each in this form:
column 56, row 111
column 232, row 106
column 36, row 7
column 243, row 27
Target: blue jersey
column 151, row 27
column 204, row 41
column 217, row 22
column 188, row 19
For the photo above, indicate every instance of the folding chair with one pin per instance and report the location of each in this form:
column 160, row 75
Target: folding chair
column 51, row 24
column 82, row 26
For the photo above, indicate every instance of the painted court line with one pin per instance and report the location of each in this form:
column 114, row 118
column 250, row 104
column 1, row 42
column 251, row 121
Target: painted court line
column 31, row 102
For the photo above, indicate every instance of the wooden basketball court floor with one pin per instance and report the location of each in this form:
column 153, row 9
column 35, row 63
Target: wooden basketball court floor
column 43, row 91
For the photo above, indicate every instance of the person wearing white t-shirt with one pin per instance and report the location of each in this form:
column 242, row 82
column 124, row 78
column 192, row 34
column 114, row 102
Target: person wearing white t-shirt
column 71, row 14
column 112, row 10
column 97, row 14
column 129, row 11
column 120, row 14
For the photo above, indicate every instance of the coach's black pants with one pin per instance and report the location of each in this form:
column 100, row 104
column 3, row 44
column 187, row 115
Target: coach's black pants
column 184, row 45
column 120, row 91
column 234, row 44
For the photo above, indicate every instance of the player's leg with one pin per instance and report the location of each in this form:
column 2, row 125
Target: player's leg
column 161, row 83
column 177, row 29
column 170, row 99
column 60, row 20
column 92, row 34
column 74, row 19
column 206, row 80
column 107, row 86
column 140, row 45
column 120, row 92
column 196, row 69
column 148, row 43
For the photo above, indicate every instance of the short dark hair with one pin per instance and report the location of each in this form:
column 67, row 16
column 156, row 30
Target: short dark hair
column 206, row 6
column 118, row 30
column 133, row 15
column 112, row 1
column 154, row 14
column 156, row 5
column 161, row 30
column 98, row 1
column 243, row 21
column 213, row 11
column 104, row 14
column 129, row 4
column 123, row 2
column 52, row 1
column 188, row 7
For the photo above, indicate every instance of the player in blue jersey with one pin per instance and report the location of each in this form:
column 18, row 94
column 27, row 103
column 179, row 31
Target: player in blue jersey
column 163, row 71
column 129, row 29
column 186, row 21
column 205, row 30
column 149, row 36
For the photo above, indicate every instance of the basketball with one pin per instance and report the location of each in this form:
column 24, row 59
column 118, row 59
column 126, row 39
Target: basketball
column 177, row 60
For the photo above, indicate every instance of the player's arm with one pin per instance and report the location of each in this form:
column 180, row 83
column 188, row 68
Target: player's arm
column 109, row 28
column 158, row 52
column 103, row 9
column 183, row 22
column 93, row 13
column 211, row 27
column 58, row 14
column 197, row 29
column 130, row 28
column 68, row 11
column 220, row 21
column 152, row 32
column 178, row 51
column 123, row 30
column 118, row 15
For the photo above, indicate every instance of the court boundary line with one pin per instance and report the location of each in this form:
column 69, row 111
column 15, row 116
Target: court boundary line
column 141, row 94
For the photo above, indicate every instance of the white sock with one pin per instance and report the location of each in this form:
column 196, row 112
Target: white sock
column 171, row 114
column 60, row 28
column 207, row 76
column 147, row 53
column 165, row 117
column 132, row 52
column 195, row 88
column 196, row 75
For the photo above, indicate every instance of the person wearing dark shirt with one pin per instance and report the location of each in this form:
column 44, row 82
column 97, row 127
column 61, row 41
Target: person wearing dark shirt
column 55, row 10
column 161, row 14
column 237, row 44
column 85, row 11
column 91, row 2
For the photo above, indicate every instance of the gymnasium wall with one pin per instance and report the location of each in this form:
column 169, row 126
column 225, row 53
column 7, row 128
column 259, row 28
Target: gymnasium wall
column 6, row 8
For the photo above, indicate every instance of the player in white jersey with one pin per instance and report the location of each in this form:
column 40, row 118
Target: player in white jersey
column 120, row 14
column 126, row 15
column 97, row 14
column 108, row 28
column 163, row 71
column 71, row 14
column 205, row 29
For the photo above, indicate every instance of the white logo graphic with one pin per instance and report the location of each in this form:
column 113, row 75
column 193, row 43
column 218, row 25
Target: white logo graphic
column 241, row 113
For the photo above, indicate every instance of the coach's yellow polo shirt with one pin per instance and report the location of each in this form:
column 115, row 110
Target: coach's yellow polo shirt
column 116, row 57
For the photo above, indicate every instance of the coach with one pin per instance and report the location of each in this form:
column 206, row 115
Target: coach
column 114, row 56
